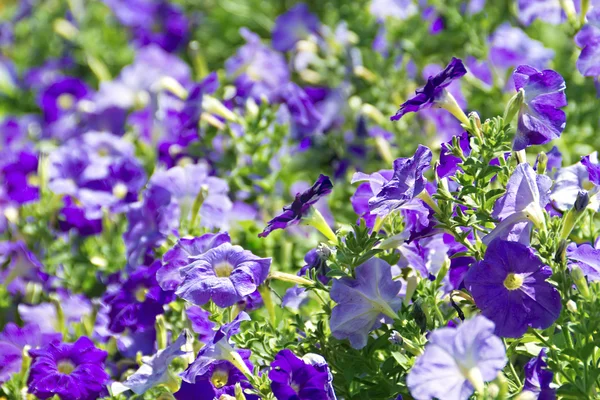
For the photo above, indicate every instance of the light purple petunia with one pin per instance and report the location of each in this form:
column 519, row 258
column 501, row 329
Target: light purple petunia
column 538, row 378
column 570, row 181
column 509, row 286
column 549, row 11
column 457, row 361
column 397, row 9
column 586, row 257
column 363, row 302
column 201, row 324
column 300, row 207
column 224, row 274
column 588, row 38
column 434, row 92
column 294, row 25
column 591, row 164
column 20, row 266
column 522, row 206
column 540, row 117
column 511, row 46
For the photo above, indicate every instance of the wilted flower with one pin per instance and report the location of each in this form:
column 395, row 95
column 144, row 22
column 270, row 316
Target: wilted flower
column 540, row 117
column 363, row 302
column 224, row 274
column 509, row 286
column 538, row 378
column 457, row 361
column 73, row 371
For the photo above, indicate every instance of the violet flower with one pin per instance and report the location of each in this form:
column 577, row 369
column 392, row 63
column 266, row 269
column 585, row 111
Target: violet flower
column 587, row 258
column 588, row 38
column 294, row 25
column 549, row 11
column 20, row 266
column 509, row 286
column 224, row 274
column 591, row 164
column 538, row 378
column 73, row 371
column 363, row 302
column 448, row 164
column 457, row 361
column 435, row 93
column 397, row 9
column 522, row 206
column 300, row 207
column 61, row 97
column 19, row 177
column 294, row 378
column 540, row 117
column 201, row 324
column 511, row 46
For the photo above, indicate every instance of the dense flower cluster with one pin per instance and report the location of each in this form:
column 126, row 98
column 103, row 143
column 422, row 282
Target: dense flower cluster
column 222, row 200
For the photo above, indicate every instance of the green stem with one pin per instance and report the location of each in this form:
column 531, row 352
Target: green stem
column 317, row 221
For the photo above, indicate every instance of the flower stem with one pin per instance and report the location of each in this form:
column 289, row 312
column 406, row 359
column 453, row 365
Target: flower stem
column 283, row 276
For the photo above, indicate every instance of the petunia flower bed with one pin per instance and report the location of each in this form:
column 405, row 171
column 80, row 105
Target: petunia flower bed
column 378, row 199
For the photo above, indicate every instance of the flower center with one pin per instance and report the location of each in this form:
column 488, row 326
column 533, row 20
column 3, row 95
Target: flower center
column 103, row 152
column 513, row 281
column 33, row 179
column 219, row 378
column 66, row 101
column 120, row 191
column 223, row 269
column 141, row 293
column 65, row 367
column 295, row 387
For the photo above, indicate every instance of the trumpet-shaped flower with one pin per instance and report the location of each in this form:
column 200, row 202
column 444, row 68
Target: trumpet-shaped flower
column 538, row 378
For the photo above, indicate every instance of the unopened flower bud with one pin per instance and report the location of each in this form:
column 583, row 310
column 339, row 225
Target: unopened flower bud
column 572, row 306
column 580, row 281
column 542, row 163
column 513, row 106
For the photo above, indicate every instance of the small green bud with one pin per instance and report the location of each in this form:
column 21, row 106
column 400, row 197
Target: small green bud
column 542, row 163
column 580, row 281
column 513, row 106
column 572, row 306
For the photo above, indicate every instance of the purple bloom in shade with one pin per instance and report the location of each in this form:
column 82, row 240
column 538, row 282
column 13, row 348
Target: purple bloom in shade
column 549, row 11
column 540, row 117
column 150, row 222
column 292, row 378
column 73, row 371
column 182, row 254
column 218, row 349
column 13, row 340
column 304, row 116
column 218, row 381
column 296, row 24
column 371, row 185
column 135, row 304
column 363, row 302
column 434, row 92
column 426, row 255
column 448, row 162
column 256, row 69
column 186, row 184
column 406, row 183
column 154, row 369
column 294, row 298
column 527, row 194
column 569, row 181
column 300, row 207
column 587, row 258
column 20, row 266
column 72, row 217
column 66, row 168
column 554, row 159
column 511, row 46
column 590, row 162
column 61, row 97
column 74, row 306
column 224, row 274
column 509, row 286
column 201, row 324
column 481, row 70
column 19, row 176
column 173, row 28
column 588, row 38
column 397, row 9
column 538, row 378
column 475, row 6
column 457, row 361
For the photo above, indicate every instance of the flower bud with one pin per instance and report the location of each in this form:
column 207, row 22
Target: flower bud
column 513, row 106
column 580, row 281
column 572, row 306
column 542, row 163
column 572, row 217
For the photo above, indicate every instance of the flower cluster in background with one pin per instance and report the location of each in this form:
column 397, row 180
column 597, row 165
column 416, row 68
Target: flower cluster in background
column 320, row 200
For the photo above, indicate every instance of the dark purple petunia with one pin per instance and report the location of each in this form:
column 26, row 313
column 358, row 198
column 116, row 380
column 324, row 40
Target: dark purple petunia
column 538, row 378
column 135, row 304
column 300, row 207
column 72, row 217
column 19, row 177
column 296, row 24
column 13, row 340
column 540, row 117
column 434, row 92
column 590, row 162
column 509, row 286
column 181, row 254
column 292, row 378
column 224, row 274
column 448, row 162
column 72, row 371
column 61, row 97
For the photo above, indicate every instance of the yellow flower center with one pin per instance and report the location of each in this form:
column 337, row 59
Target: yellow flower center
column 120, row 191
column 223, row 269
column 141, row 293
column 295, row 387
column 65, row 367
column 513, row 281
column 33, row 179
column 219, row 378
column 66, row 101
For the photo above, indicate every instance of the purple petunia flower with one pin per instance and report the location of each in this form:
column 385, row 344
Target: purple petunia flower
column 448, row 164
column 540, row 117
column 538, row 378
column 549, row 11
column 294, row 378
column 45, row 315
column 397, row 9
column 511, row 46
column 588, row 38
column 135, row 304
column 527, row 194
column 570, row 181
column 19, row 177
column 154, row 369
column 73, row 371
column 13, row 340
column 509, row 286
column 72, row 217
column 434, row 92
column 201, row 324
column 587, row 258
column 405, row 185
column 363, row 302
column 182, row 254
column 591, row 164
column 61, row 97
column 300, row 207
column 457, row 361
column 224, row 274
column 296, row 24
column 20, row 266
